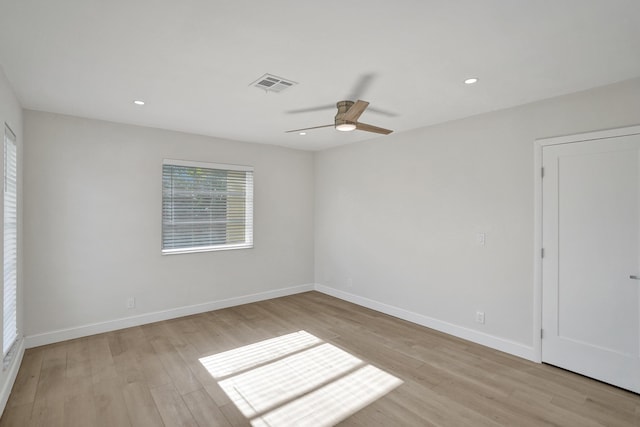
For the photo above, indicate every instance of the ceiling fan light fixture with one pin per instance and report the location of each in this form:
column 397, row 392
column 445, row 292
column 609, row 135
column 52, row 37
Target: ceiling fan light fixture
column 346, row 127
column 346, row 120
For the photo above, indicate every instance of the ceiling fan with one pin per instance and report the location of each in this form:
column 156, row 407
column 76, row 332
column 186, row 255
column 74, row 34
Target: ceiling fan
column 347, row 119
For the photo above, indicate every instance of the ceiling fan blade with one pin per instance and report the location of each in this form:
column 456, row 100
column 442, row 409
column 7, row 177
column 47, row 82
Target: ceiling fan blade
column 315, row 127
column 355, row 111
column 361, row 86
column 312, row 109
column 371, row 128
column 383, row 112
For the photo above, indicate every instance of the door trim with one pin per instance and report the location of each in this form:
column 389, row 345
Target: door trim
column 538, row 145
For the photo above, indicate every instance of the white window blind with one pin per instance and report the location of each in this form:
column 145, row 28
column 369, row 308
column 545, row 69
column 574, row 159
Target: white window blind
column 206, row 206
column 10, row 240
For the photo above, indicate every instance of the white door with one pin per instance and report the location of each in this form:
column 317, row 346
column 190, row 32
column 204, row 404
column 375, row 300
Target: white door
column 591, row 263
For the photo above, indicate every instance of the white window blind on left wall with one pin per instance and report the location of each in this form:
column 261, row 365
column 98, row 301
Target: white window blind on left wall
column 10, row 330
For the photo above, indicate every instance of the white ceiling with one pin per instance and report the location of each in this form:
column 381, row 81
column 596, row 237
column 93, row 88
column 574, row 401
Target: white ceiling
column 192, row 60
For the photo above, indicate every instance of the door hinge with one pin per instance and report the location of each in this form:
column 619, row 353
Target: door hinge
column 542, row 172
column 542, row 253
column 541, row 333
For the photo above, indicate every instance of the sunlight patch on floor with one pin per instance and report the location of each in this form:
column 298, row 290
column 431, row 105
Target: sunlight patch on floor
column 334, row 402
column 249, row 356
column 297, row 379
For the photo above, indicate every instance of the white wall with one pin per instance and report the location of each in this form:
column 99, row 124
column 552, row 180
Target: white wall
column 397, row 218
column 11, row 114
column 92, row 225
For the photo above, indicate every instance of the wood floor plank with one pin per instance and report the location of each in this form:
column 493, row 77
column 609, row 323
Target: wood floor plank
column 233, row 415
column 204, row 410
column 193, row 333
column 437, row 408
column 238, row 329
column 385, row 413
column 191, row 358
column 100, row 358
column 151, row 375
column 154, row 373
column 128, row 367
column 217, row 394
column 48, row 412
column 182, row 377
column 215, row 340
column 172, row 408
column 80, row 410
column 18, row 416
column 78, row 359
column 51, row 384
column 603, row 414
column 26, row 384
column 113, row 340
column 177, row 333
column 398, row 365
column 141, row 407
column 130, row 338
column 111, row 409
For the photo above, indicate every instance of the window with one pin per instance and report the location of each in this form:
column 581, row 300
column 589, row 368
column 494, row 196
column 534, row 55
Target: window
column 10, row 240
column 206, row 206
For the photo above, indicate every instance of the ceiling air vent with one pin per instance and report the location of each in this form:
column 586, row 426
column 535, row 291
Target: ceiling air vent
column 271, row 83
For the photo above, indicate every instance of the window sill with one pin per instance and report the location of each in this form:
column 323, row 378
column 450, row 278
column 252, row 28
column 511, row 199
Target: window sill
column 206, row 249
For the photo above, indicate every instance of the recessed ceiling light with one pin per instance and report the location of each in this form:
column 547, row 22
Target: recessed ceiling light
column 302, row 133
column 138, row 102
column 471, row 81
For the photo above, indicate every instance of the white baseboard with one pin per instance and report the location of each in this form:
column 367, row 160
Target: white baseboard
column 12, row 373
column 507, row 346
column 127, row 322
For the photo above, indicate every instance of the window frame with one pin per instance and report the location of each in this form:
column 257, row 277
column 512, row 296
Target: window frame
column 10, row 138
column 248, row 244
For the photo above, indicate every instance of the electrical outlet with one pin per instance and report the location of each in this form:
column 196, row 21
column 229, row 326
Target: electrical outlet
column 349, row 282
column 480, row 317
column 481, row 239
column 131, row 302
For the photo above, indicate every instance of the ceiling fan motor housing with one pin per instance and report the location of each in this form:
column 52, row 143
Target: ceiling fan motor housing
column 343, row 107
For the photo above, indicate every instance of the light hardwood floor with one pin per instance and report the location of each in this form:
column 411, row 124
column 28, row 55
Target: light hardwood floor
column 150, row 375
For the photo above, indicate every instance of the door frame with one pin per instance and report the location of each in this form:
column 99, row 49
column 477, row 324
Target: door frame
column 538, row 146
